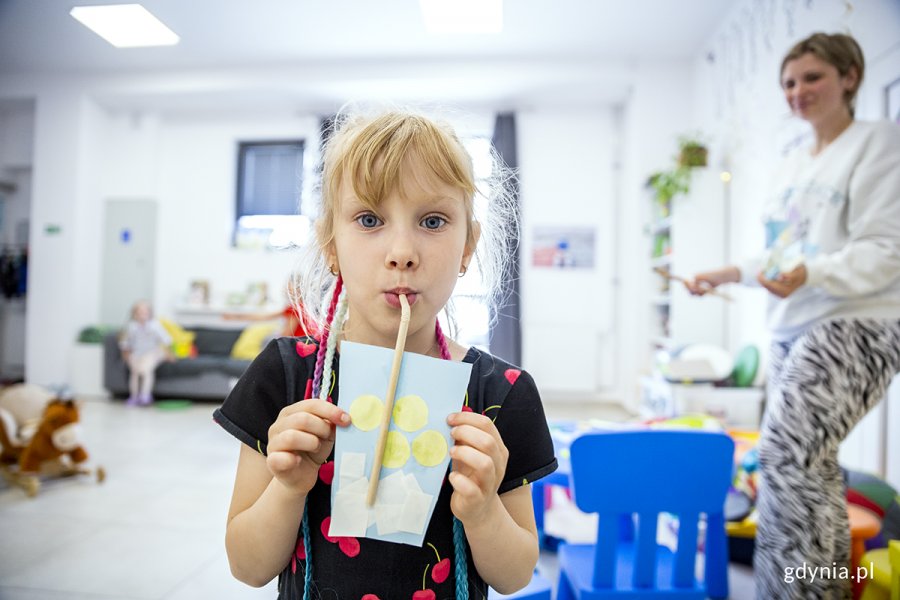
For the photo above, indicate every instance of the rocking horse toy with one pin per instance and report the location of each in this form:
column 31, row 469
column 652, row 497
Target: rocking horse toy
column 40, row 435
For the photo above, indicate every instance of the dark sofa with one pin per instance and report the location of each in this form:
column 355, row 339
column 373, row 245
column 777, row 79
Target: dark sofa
column 209, row 376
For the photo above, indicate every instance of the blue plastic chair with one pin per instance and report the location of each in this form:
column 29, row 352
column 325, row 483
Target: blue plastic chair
column 538, row 589
column 645, row 473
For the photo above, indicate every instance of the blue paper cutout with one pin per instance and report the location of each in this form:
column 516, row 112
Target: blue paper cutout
column 442, row 384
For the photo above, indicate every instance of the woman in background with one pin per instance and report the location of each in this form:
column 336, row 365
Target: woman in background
column 833, row 271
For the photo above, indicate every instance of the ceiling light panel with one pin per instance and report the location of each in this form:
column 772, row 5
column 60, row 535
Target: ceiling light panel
column 125, row 25
column 462, row 16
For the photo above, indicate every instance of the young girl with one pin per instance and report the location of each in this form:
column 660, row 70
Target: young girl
column 397, row 217
column 835, row 317
column 144, row 344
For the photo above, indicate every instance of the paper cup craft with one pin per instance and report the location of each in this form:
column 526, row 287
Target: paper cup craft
column 416, row 454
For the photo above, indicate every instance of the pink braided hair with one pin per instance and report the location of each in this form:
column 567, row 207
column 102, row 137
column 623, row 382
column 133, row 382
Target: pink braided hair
column 326, row 331
column 441, row 340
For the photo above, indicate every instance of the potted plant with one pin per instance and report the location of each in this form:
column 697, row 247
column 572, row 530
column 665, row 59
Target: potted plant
column 692, row 153
column 666, row 184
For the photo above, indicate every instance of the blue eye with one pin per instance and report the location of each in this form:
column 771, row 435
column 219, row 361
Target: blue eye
column 433, row 222
column 368, row 220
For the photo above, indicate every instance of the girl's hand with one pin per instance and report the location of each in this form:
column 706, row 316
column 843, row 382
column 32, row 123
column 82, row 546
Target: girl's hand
column 785, row 284
column 300, row 440
column 479, row 464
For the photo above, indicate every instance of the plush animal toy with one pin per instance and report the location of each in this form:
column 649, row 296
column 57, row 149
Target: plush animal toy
column 58, row 434
column 49, row 446
column 21, row 407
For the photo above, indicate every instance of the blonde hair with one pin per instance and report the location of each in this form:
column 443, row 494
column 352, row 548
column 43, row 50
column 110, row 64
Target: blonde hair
column 140, row 304
column 837, row 49
column 372, row 152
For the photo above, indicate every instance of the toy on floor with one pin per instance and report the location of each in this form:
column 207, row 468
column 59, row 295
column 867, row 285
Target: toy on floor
column 40, row 435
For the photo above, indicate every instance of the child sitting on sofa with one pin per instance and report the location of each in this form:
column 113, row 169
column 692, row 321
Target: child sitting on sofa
column 145, row 344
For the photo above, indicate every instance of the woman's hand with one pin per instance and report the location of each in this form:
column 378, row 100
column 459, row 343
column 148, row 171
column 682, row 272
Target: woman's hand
column 300, row 440
column 479, row 464
column 785, row 284
column 703, row 283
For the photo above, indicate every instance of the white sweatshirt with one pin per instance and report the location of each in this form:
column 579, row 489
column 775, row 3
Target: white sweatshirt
column 844, row 207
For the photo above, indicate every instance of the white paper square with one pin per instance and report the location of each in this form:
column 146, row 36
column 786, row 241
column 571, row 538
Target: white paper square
column 353, row 466
column 357, row 486
column 392, row 489
column 414, row 517
column 349, row 515
column 387, row 518
column 412, row 483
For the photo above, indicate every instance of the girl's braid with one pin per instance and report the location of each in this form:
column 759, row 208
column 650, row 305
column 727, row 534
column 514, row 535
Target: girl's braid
column 461, row 570
column 320, row 357
column 317, row 380
column 336, row 325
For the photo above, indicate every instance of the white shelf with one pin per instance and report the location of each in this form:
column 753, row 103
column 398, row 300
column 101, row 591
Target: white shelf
column 661, row 261
column 661, row 225
column 188, row 315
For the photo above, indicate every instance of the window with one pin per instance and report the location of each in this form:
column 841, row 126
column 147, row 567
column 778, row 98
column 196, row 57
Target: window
column 270, row 181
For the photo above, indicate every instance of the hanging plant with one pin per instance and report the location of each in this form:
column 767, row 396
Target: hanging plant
column 669, row 183
column 692, row 153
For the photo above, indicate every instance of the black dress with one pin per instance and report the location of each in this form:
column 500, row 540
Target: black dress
column 350, row 568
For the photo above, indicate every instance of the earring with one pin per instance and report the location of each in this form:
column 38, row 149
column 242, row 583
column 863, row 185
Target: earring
column 333, row 271
column 463, row 271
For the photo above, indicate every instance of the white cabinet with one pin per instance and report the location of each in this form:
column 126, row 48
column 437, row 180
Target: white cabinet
column 86, row 371
column 740, row 408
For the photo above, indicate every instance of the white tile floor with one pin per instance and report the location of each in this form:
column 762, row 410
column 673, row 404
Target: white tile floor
column 154, row 529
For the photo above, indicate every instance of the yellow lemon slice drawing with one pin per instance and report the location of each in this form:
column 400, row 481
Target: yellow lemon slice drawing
column 396, row 451
column 365, row 412
column 410, row 413
column 429, row 448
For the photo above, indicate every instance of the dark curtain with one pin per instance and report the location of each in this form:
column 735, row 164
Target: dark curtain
column 506, row 334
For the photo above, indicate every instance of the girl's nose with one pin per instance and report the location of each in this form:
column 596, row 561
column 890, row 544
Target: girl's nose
column 402, row 252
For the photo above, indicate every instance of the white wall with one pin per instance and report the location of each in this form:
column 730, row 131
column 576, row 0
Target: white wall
column 568, row 179
column 188, row 166
column 60, row 295
column 655, row 114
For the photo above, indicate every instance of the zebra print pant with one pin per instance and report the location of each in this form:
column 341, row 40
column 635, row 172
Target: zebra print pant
column 819, row 386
